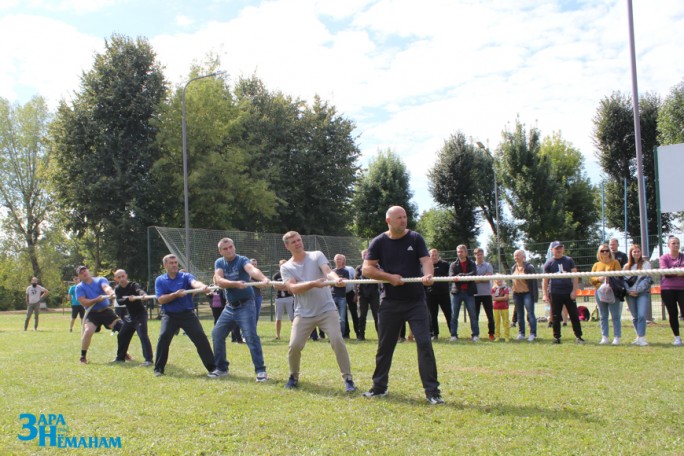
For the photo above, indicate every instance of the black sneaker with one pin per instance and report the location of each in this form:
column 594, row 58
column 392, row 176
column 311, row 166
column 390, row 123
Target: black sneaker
column 349, row 386
column 292, row 383
column 435, row 399
column 374, row 393
column 580, row 341
column 556, row 341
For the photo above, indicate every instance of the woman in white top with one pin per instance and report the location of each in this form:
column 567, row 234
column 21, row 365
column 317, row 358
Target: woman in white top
column 638, row 290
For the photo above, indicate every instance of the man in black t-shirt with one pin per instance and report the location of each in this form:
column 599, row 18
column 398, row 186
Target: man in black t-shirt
column 438, row 294
column 137, row 322
column 368, row 297
column 392, row 256
column 562, row 292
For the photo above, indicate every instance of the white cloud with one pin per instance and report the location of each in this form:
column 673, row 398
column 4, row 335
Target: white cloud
column 46, row 57
column 184, row 21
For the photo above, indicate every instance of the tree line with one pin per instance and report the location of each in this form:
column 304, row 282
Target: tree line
column 83, row 183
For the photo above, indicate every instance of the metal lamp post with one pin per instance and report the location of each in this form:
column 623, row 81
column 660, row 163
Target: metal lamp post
column 185, row 167
column 496, row 203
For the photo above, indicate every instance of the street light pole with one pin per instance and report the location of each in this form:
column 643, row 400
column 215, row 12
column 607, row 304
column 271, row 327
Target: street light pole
column 185, row 167
column 496, row 203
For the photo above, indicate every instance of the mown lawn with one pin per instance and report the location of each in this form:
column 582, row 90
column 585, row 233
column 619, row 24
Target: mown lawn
column 501, row 398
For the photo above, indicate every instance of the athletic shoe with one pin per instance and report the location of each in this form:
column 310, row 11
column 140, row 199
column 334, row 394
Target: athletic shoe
column 491, row 337
column 117, row 360
column 565, row 323
column 83, row 360
column 640, row 341
column 580, row 341
column 604, row 340
column 129, row 357
column 556, row 341
column 434, row 338
column 292, row 383
column 435, row 399
column 476, row 339
column 520, row 337
column 349, row 386
column 371, row 393
column 531, row 338
column 513, row 325
column 453, row 338
column 677, row 341
column 146, row 363
column 616, row 341
column 261, row 377
column 216, row 373
column 158, row 373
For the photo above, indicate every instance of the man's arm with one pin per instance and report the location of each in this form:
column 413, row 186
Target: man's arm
column 545, row 286
column 221, row 281
column 256, row 274
column 428, row 270
column 43, row 293
column 372, row 271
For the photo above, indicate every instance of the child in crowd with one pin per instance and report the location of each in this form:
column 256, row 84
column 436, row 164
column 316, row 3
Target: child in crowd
column 500, row 294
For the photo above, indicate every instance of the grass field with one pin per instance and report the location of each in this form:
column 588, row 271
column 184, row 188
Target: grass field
column 501, row 398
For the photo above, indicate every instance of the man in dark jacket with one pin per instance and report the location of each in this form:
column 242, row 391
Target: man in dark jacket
column 437, row 294
column 463, row 292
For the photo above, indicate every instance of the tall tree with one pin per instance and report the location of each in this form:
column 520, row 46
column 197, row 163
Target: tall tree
column 437, row 227
column 105, row 146
column 384, row 184
column 455, row 180
column 531, row 189
column 616, row 153
column 307, row 153
column 671, row 117
column 224, row 193
column 23, row 190
column 580, row 213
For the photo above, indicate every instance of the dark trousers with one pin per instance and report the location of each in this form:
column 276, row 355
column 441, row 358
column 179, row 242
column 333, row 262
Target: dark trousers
column 557, row 303
column 188, row 322
column 354, row 311
column 391, row 317
column 372, row 302
column 670, row 299
column 486, row 302
column 216, row 313
column 132, row 324
column 434, row 303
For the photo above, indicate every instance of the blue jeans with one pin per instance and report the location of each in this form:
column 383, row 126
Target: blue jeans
column 456, row 301
column 341, row 304
column 523, row 302
column 638, row 307
column 615, row 310
column 258, row 300
column 244, row 317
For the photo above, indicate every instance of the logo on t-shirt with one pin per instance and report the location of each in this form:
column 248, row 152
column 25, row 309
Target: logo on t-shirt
column 409, row 248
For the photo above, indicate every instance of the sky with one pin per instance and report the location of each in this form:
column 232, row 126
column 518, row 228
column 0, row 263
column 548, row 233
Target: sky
column 408, row 73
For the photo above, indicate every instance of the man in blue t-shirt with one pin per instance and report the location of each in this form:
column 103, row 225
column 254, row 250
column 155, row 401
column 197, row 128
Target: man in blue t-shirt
column 561, row 292
column 232, row 272
column 393, row 255
column 179, row 313
column 94, row 293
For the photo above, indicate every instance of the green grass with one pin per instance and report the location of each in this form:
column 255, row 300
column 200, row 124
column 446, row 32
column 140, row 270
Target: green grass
column 501, row 398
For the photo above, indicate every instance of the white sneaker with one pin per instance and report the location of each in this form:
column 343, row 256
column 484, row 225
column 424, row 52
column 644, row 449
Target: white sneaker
column 531, row 338
column 476, row 339
column 677, row 341
column 520, row 337
column 261, row 377
column 453, row 339
column 217, row 374
column 641, row 341
column 616, row 341
column 604, row 340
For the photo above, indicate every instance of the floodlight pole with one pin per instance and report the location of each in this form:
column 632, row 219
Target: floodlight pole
column 637, row 136
column 185, row 167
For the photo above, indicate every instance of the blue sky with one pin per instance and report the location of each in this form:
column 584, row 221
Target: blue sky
column 408, row 73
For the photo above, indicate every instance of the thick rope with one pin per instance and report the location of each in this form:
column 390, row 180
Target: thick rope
column 471, row 278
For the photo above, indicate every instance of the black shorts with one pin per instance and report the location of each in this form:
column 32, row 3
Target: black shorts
column 76, row 311
column 103, row 317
